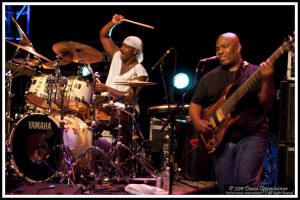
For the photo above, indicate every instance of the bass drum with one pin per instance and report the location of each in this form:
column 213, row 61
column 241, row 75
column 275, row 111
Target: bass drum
column 34, row 141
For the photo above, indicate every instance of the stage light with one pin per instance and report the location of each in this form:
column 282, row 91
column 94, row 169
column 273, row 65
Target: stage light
column 181, row 81
column 85, row 70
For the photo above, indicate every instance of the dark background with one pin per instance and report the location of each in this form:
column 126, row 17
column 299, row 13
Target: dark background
column 191, row 29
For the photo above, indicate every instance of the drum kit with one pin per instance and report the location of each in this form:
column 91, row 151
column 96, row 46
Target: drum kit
column 58, row 142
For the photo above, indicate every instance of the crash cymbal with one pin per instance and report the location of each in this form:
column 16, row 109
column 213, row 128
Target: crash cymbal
column 134, row 83
column 29, row 49
column 23, row 37
column 77, row 52
column 30, row 63
column 21, row 69
column 33, row 63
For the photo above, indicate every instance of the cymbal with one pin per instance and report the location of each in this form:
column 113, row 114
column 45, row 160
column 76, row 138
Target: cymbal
column 134, row 83
column 33, row 63
column 77, row 52
column 30, row 63
column 23, row 37
column 29, row 49
column 21, row 69
column 58, row 63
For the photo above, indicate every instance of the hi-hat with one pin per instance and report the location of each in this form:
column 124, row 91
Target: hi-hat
column 77, row 52
column 134, row 83
column 20, row 69
column 33, row 63
column 29, row 49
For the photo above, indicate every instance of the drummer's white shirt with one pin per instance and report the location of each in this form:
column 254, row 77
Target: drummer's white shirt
column 115, row 69
column 114, row 74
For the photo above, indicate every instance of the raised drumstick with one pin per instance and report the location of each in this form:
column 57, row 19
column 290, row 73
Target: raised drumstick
column 138, row 23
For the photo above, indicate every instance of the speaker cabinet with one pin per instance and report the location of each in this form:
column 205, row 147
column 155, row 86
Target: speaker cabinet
column 193, row 160
column 287, row 112
column 286, row 165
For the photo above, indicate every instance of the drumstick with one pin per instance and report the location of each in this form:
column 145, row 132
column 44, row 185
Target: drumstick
column 138, row 23
column 98, row 80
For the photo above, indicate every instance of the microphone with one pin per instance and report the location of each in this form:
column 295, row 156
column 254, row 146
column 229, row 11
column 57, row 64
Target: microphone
column 213, row 58
column 160, row 60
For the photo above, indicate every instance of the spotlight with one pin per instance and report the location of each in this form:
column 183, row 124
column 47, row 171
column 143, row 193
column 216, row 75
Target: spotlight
column 181, row 81
column 85, row 70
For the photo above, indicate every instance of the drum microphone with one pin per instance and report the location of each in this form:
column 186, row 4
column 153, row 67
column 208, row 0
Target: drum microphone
column 213, row 58
column 161, row 59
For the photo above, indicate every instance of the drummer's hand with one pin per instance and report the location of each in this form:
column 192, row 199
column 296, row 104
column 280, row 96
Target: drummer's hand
column 117, row 19
column 100, row 87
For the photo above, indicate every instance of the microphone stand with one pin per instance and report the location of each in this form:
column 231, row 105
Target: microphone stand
column 171, row 163
column 164, row 83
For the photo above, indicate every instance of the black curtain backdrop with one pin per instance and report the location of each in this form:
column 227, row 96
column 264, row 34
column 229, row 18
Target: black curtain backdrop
column 191, row 29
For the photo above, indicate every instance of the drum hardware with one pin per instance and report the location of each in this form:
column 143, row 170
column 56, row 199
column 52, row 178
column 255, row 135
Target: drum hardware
column 134, row 84
column 66, row 153
column 114, row 154
column 8, row 119
column 93, row 149
column 135, row 132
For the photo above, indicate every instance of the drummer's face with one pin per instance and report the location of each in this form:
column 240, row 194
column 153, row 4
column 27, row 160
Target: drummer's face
column 127, row 52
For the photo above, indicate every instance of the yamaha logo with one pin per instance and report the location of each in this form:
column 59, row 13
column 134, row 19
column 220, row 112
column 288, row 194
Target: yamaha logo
column 39, row 125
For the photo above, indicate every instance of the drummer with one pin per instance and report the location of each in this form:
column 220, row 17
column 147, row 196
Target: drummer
column 125, row 65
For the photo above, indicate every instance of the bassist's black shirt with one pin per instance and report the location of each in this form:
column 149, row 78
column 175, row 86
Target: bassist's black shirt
column 253, row 117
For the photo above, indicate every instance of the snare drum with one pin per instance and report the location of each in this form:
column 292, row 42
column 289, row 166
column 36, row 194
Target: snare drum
column 78, row 94
column 39, row 89
column 34, row 139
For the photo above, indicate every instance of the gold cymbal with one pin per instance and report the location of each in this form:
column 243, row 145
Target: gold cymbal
column 21, row 69
column 33, row 63
column 29, row 49
column 134, row 83
column 77, row 52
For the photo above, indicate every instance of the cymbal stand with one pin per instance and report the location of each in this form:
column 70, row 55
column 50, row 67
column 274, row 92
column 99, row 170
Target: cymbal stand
column 8, row 120
column 114, row 153
column 65, row 153
column 93, row 148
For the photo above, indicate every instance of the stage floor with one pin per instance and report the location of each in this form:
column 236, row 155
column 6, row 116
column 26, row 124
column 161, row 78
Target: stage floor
column 179, row 187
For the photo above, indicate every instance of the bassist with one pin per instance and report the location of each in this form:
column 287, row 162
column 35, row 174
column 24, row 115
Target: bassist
column 239, row 153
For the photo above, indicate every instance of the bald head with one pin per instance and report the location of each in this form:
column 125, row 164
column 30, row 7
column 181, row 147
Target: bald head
column 233, row 38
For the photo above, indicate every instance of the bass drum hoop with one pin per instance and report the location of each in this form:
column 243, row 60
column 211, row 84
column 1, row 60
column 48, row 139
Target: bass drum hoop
column 39, row 174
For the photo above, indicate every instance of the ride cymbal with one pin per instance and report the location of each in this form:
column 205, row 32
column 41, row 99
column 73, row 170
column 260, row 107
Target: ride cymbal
column 77, row 52
column 134, row 83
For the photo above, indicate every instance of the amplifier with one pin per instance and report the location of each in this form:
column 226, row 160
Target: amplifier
column 287, row 112
column 286, row 166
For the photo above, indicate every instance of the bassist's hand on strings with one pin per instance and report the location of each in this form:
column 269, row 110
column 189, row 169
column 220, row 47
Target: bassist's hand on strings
column 204, row 126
